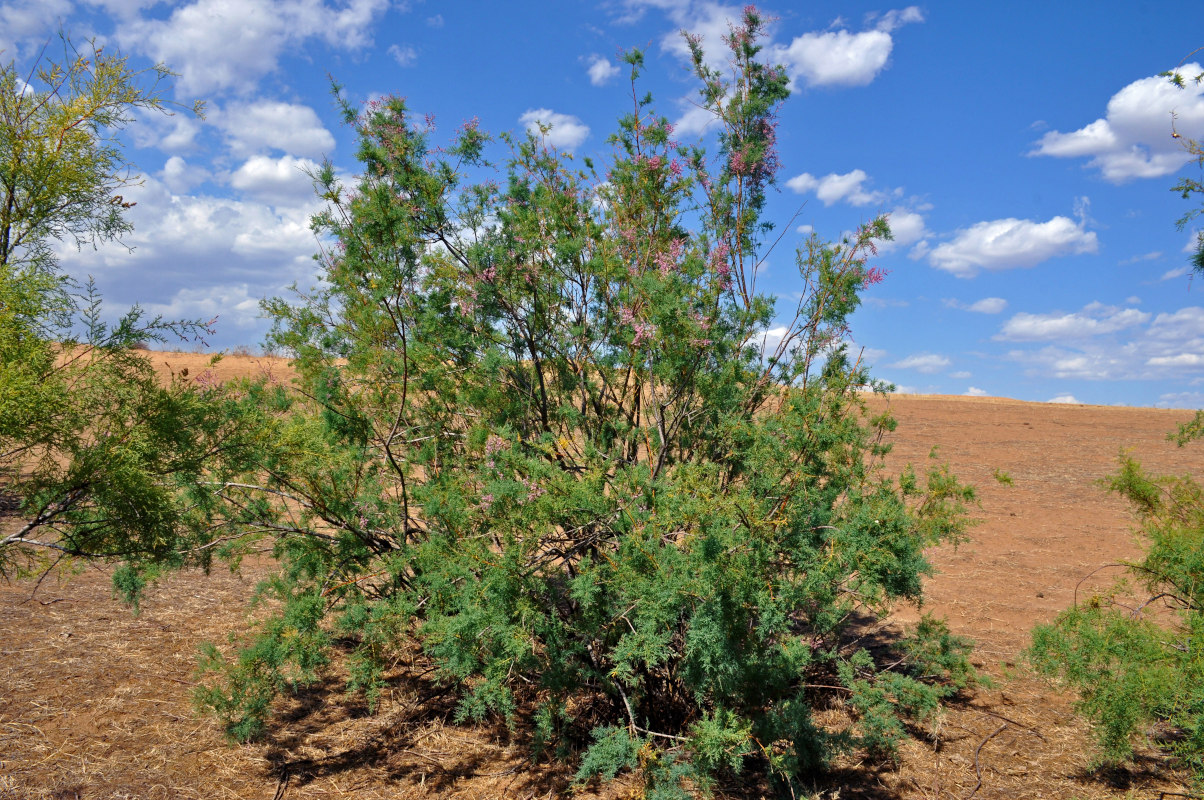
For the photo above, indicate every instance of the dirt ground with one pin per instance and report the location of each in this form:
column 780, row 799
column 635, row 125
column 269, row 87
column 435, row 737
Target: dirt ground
column 95, row 702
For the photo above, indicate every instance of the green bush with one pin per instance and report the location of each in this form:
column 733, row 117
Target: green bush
column 545, row 427
column 1133, row 672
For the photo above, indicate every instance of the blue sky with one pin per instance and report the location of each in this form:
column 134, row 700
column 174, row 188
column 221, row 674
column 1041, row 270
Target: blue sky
column 1022, row 150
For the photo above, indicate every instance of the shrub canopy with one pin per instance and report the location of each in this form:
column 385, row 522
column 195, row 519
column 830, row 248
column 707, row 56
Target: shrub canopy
column 546, row 426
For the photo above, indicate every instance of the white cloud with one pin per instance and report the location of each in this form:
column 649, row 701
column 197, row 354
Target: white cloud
column 1067, row 399
column 282, row 181
column 833, row 188
column 600, row 70
column 566, row 132
column 179, row 176
column 229, row 305
column 203, row 243
column 1171, row 346
column 1095, row 319
column 1133, row 139
column 694, row 120
column 927, row 363
column 974, row 391
column 961, row 374
column 1181, row 400
column 1182, row 325
column 26, row 21
column 272, row 125
column 906, row 227
column 839, row 57
column 987, row 305
column 1194, row 242
column 435, row 21
column 218, row 45
column 835, row 58
column 1171, row 274
column 1011, row 243
column 709, row 20
column 1154, row 256
column 897, row 18
column 404, row 54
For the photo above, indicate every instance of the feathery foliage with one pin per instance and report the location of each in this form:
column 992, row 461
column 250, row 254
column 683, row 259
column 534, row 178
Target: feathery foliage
column 98, row 459
column 548, row 428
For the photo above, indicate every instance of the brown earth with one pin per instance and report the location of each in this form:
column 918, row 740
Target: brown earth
column 94, row 701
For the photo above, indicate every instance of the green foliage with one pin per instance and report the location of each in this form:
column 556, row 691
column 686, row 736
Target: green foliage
column 542, row 428
column 1003, row 478
column 61, row 164
column 1131, row 670
column 101, row 460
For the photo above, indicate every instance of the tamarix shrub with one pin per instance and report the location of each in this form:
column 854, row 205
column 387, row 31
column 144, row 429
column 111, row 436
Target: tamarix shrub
column 542, row 430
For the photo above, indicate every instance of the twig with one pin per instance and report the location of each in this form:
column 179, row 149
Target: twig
column 282, row 785
column 977, row 765
column 997, row 715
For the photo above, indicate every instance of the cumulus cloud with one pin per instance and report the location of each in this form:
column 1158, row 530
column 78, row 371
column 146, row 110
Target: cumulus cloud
column 218, row 45
column 272, row 125
column 565, row 131
column 404, row 54
column 179, row 176
column 600, row 70
column 26, row 22
column 833, row 188
column 201, row 243
column 1067, row 399
column 840, row 57
column 1095, row 319
column 896, row 18
column 835, row 57
column 907, row 227
column 709, row 21
column 282, row 181
column 1105, row 343
column 974, row 391
column 230, row 305
column 1011, row 243
column 1181, row 400
column 694, row 119
column 1133, row 138
column 987, row 305
column 927, row 363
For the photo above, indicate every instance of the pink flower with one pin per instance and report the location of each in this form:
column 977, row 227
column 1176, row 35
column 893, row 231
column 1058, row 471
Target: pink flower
column 873, row 276
column 643, row 332
column 666, row 262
